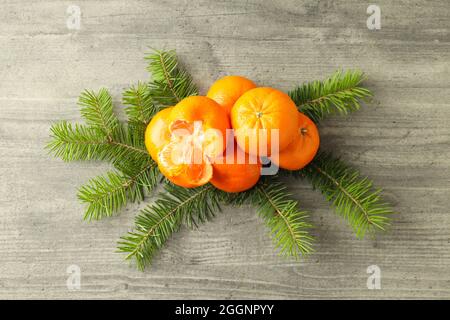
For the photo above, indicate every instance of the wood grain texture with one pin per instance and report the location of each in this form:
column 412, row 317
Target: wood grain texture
column 401, row 140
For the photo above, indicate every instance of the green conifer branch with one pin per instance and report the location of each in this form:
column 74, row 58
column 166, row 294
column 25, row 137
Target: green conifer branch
column 97, row 110
column 77, row 142
column 140, row 107
column 288, row 225
column 136, row 132
column 353, row 196
column 80, row 142
column 128, row 140
column 156, row 223
column 106, row 195
column 341, row 93
column 237, row 199
column 171, row 82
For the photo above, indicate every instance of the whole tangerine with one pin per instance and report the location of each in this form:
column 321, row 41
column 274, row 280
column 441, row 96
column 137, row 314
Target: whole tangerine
column 259, row 116
column 303, row 149
column 227, row 90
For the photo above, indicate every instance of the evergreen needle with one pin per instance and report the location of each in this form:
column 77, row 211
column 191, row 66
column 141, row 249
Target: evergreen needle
column 140, row 106
column 340, row 93
column 156, row 223
column 288, row 225
column 353, row 196
column 171, row 82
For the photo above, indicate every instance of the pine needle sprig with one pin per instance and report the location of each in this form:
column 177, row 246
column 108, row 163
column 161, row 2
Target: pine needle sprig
column 133, row 135
column 74, row 142
column 341, row 93
column 288, row 225
column 128, row 142
column 144, row 168
column 156, row 223
column 139, row 103
column 105, row 138
column 97, row 110
column 353, row 196
column 137, row 173
column 77, row 142
column 171, row 82
column 106, row 195
column 236, row 199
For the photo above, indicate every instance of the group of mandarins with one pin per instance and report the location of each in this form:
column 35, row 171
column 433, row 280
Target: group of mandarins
column 190, row 141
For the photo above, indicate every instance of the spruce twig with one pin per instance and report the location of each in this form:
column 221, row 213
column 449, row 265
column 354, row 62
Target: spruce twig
column 97, row 110
column 77, row 142
column 140, row 107
column 340, row 93
column 288, row 225
column 353, row 196
column 171, row 82
column 156, row 223
column 80, row 142
column 106, row 195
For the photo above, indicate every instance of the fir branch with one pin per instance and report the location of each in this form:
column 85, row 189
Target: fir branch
column 77, row 142
column 97, row 110
column 136, row 132
column 341, row 93
column 140, row 107
column 104, row 137
column 236, row 199
column 106, row 195
column 128, row 141
column 288, row 225
column 156, row 223
column 80, row 142
column 144, row 171
column 353, row 196
column 171, row 82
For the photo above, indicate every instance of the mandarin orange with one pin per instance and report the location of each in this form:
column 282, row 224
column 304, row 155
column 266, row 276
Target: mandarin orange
column 157, row 134
column 228, row 89
column 236, row 171
column 302, row 150
column 261, row 114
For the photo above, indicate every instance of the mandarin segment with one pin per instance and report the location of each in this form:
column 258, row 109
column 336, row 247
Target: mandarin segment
column 198, row 177
column 182, row 163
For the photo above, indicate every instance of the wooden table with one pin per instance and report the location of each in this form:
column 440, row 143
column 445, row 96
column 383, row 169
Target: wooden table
column 401, row 140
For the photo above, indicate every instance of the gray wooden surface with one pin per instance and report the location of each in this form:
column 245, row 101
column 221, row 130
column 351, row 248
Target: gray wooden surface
column 401, row 140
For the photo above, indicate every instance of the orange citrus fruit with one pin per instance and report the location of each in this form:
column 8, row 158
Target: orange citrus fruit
column 235, row 171
column 157, row 134
column 194, row 175
column 227, row 90
column 203, row 110
column 302, row 150
column 260, row 113
column 197, row 128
